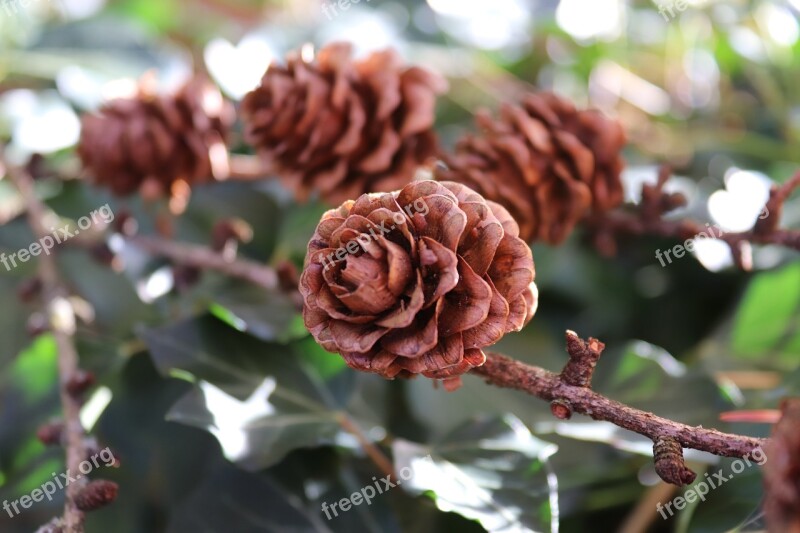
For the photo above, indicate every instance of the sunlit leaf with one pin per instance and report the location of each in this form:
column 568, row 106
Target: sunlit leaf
column 260, row 400
column 35, row 370
column 270, row 316
column 492, row 470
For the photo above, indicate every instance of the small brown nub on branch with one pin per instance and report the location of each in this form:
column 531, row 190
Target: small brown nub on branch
column 102, row 254
column 50, row 433
column 185, row 277
column 29, row 289
column 126, row 224
column 228, row 234
column 668, row 456
column 288, row 276
column 79, row 383
column 583, row 357
column 96, row 494
column 561, row 409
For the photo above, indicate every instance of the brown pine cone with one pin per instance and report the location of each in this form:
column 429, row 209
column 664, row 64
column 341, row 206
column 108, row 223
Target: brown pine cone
column 343, row 127
column 548, row 163
column 150, row 141
column 782, row 471
column 417, row 281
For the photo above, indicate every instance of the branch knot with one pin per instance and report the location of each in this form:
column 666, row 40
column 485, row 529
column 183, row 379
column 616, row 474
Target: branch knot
column 583, row 357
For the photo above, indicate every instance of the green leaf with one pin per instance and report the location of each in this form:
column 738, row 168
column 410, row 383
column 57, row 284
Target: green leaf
column 230, row 499
column 732, row 506
column 261, row 400
column 35, row 372
column 297, row 227
column 648, row 377
column 491, row 470
column 768, row 315
column 270, row 316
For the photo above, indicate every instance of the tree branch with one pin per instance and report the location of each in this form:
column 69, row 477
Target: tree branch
column 647, row 219
column 62, row 327
column 205, row 258
column 505, row 372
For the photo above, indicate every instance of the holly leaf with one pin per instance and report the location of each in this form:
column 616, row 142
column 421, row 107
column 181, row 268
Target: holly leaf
column 260, row 400
column 268, row 315
column 491, row 470
column 229, row 497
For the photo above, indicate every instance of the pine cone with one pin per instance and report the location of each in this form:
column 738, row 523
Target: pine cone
column 344, row 127
column 150, row 141
column 548, row 163
column 417, row 281
column 782, row 471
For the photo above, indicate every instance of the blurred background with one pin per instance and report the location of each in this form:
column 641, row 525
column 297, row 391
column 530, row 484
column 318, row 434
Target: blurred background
column 199, row 386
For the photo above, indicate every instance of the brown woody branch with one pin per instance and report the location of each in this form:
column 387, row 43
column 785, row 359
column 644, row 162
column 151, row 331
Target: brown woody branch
column 668, row 436
column 247, row 168
column 202, row 257
column 62, row 327
column 647, row 219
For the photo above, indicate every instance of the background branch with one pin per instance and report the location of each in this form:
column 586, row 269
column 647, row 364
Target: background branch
column 62, row 327
column 647, row 219
column 205, row 258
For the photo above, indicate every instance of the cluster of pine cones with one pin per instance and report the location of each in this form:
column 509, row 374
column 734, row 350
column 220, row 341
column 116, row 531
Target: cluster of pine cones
column 340, row 127
column 414, row 281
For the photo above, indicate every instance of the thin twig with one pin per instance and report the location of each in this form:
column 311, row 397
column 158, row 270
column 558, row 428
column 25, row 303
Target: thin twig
column 206, row 258
column 647, row 220
column 247, row 168
column 62, row 327
column 373, row 452
column 632, row 224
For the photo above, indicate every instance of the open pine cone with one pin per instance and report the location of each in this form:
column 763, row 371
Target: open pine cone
column 417, row 281
column 343, row 127
column 548, row 163
column 151, row 141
